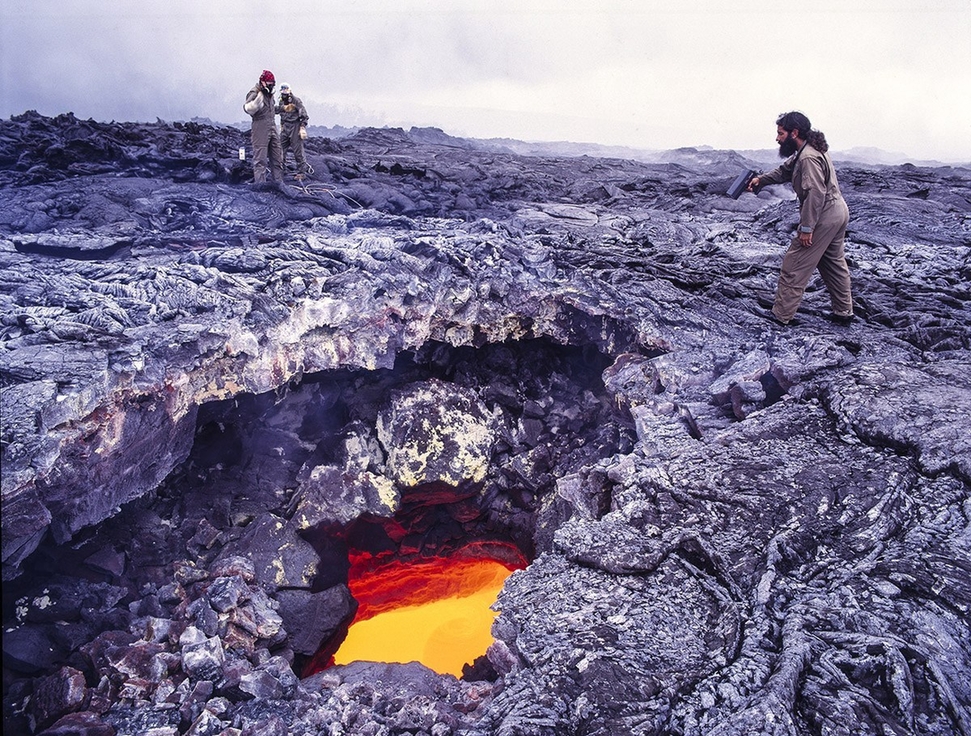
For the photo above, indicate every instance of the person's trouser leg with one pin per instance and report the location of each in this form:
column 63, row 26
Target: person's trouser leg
column 798, row 265
column 298, row 154
column 292, row 141
column 800, row 262
column 260, row 157
column 836, row 274
column 276, row 157
column 284, row 146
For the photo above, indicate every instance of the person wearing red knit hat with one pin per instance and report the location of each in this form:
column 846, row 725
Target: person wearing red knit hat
column 267, row 152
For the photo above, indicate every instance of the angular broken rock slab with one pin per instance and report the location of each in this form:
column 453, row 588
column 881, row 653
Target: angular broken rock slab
column 918, row 409
column 315, row 617
column 436, row 433
column 281, row 558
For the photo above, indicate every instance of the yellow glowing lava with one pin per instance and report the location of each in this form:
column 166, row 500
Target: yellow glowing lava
column 442, row 634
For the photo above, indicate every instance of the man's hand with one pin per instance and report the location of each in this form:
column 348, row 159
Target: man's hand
column 806, row 239
column 753, row 184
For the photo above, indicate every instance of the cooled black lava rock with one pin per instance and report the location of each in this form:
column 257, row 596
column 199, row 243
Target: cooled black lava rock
column 211, row 391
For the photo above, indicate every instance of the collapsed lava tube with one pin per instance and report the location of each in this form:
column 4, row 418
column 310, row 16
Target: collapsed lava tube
column 436, row 610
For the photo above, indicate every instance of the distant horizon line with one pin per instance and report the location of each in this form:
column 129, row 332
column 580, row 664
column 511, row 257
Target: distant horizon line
column 858, row 154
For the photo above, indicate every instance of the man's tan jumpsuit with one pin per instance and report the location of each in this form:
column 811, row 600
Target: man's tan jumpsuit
column 822, row 212
column 267, row 153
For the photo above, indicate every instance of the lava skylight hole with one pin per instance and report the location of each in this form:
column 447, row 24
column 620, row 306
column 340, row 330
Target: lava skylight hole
column 437, row 612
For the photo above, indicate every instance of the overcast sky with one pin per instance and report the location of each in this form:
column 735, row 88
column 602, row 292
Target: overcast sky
column 654, row 74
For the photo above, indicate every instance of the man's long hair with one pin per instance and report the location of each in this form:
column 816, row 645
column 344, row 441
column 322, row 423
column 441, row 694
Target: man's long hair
column 791, row 121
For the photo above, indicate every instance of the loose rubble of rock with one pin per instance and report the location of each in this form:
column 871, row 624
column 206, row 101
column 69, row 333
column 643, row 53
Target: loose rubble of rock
column 214, row 391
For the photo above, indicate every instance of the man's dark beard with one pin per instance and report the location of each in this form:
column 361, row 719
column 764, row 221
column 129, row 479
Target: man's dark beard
column 788, row 147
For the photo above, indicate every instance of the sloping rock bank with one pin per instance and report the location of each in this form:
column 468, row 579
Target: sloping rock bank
column 212, row 391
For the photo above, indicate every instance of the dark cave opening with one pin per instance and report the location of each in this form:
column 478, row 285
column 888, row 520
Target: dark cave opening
column 773, row 389
column 257, row 459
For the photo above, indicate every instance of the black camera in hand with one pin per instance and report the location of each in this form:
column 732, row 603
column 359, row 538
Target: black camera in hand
column 741, row 183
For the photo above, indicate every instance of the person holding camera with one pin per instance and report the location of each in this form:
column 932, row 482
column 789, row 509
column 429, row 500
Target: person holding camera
column 293, row 124
column 823, row 217
column 267, row 153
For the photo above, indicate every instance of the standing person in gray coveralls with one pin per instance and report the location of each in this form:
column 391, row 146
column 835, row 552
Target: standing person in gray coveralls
column 823, row 216
column 293, row 124
column 267, row 154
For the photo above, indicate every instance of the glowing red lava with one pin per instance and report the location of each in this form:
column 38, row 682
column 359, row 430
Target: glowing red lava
column 431, row 610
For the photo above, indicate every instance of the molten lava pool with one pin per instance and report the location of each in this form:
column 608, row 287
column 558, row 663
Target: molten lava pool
column 435, row 611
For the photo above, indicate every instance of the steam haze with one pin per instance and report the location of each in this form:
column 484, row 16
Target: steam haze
column 890, row 74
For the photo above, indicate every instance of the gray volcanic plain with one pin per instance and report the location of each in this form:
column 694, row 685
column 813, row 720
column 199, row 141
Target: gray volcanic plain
column 215, row 394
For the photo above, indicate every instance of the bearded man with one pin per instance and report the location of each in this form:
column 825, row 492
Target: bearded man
column 823, row 216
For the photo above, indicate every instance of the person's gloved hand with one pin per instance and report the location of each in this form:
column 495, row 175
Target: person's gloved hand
column 303, row 133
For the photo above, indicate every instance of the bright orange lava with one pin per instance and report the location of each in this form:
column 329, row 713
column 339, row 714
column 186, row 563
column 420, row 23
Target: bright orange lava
column 434, row 611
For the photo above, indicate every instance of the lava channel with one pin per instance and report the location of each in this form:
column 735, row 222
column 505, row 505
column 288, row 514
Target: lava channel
column 436, row 611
